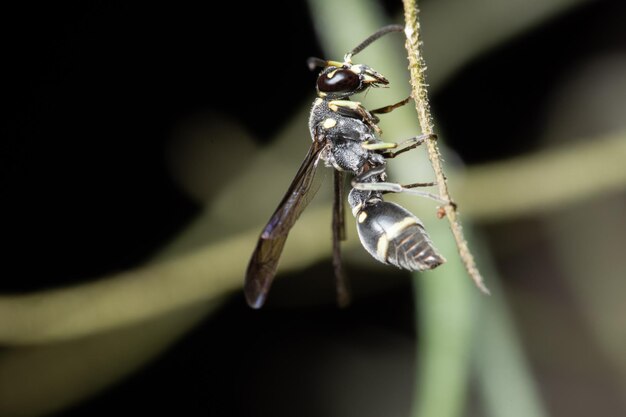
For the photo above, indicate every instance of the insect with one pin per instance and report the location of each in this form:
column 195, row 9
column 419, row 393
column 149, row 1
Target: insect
column 345, row 136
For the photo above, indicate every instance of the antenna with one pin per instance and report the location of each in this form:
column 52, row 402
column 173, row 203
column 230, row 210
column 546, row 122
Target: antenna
column 379, row 33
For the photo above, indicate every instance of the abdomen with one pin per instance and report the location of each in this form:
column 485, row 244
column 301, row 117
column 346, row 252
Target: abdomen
column 393, row 235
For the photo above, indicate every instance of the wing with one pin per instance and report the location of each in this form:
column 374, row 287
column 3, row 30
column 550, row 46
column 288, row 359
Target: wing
column 262, row 266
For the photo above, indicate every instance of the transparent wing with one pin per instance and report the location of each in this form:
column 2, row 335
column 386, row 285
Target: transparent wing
column 262, row 267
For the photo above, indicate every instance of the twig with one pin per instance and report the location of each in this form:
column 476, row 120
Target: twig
column 417, row 69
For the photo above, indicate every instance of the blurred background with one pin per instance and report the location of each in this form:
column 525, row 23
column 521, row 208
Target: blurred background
column 144, row 147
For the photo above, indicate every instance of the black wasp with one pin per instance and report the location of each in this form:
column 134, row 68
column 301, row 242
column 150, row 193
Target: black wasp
column 344, row 136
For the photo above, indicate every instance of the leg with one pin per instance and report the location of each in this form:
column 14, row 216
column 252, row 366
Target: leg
column 391, row 107
column 372, row 172
column 392, row 187
column 408, row 144
column 420, row 184
column 355, row 110
column 339, row 234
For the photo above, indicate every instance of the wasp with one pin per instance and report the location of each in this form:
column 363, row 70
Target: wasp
column 345, row 136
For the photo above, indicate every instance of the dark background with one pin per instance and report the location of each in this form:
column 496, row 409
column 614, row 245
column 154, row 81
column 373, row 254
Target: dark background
column 92, row 94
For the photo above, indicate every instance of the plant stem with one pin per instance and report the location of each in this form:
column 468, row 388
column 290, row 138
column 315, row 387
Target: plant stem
column 417, row 68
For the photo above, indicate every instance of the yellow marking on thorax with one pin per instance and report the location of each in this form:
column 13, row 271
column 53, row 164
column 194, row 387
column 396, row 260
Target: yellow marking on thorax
column 328, row 123
column 335, row 104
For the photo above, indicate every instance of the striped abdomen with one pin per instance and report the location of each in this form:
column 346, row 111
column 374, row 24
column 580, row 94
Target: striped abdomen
column 392, row 235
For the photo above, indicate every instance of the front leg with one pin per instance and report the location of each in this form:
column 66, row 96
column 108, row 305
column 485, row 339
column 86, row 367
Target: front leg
column 355, row 110
column 391, row 107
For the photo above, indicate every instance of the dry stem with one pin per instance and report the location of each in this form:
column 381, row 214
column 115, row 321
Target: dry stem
column 417, row 69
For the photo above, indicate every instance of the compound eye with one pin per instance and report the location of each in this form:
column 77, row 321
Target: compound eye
column 338, row 81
